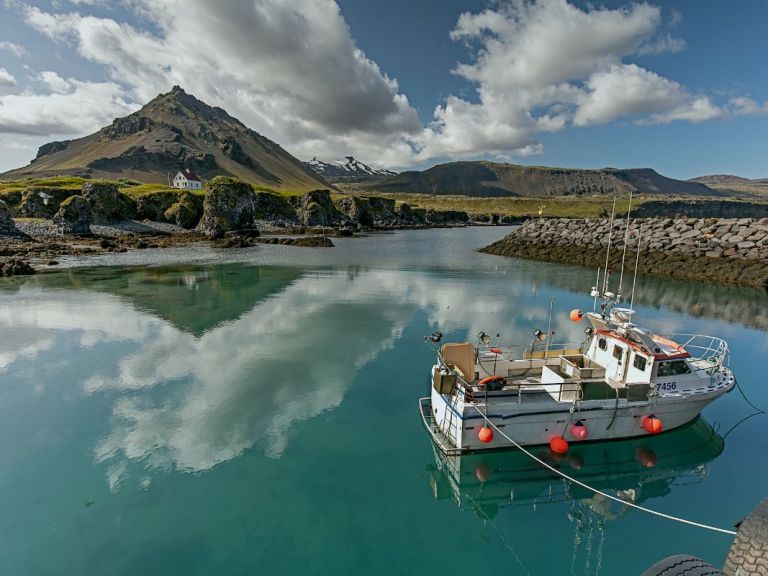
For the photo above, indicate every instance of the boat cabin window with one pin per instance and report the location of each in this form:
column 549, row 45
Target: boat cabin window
column 640, row 362
column 618, row 352
column 602, row 344
column 673, row 368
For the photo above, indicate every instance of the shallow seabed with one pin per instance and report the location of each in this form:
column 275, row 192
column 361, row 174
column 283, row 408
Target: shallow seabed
column 256, row 412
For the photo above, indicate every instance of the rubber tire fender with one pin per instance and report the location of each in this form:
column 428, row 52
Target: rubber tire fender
column 749, row 551
column 682, row 565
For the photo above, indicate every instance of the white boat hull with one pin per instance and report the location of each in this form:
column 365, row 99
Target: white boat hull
column 531, row 423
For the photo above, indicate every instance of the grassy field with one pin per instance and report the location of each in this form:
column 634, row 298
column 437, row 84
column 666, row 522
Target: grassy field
column 563, row 207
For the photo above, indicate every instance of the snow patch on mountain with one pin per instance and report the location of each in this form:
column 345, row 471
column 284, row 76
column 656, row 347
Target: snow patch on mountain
column 347, row 169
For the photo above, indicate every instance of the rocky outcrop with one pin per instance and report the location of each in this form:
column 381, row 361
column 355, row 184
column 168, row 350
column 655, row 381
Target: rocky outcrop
column 274, row 208
column 304, row 241
column 185, row 213
column 153, row 205
column 316, row 209
column 16, row 267
column 107, row 203
column 42, row 202
column 229, row 205
column 7, row 225
column 446, row 217
column 356, row 209
column 74, row 216
column 724, row 250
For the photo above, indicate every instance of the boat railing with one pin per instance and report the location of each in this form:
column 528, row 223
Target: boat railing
column 708, row 353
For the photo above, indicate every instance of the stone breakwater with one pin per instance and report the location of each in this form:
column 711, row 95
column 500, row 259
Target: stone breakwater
column 718, row 250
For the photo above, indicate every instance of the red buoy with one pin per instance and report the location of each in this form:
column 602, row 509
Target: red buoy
column 579, row 431
column 483, row 472
column 558, row 445
column 646, row 457
column 485, row 435
column 652, row 424
column 576, row 315
column 495, row 350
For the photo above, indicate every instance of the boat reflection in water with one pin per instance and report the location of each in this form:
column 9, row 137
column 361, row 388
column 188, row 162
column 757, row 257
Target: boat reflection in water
column 634, row 470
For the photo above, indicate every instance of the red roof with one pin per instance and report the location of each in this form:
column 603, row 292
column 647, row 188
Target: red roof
column 189, row 175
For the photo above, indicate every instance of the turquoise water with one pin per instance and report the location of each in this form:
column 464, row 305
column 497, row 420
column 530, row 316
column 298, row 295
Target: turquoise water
column 256, row 412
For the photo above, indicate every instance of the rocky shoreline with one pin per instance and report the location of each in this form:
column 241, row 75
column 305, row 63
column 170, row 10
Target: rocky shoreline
column 715, row 250
column 40, row 225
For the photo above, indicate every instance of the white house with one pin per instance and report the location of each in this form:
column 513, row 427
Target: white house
column 187, row 180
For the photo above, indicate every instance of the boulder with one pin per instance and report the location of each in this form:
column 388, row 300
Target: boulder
column 14, row 267
column 316, row 209
column 7, row 225
column 107, row 203
column 74, row 216
column 185, row 213
column 229, row 205
column 356, row 209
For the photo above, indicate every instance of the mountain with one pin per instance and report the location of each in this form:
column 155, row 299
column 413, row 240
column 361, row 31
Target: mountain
column 483, row 178
column 173, row 131
column 347, row 170
column 735, row 184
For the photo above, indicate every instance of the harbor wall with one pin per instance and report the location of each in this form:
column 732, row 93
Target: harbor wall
column 718, row 250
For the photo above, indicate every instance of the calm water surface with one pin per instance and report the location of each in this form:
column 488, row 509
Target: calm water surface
column 256, row 412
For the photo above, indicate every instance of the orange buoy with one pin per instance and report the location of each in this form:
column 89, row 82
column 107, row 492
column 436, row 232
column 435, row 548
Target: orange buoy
column 579, row 431
column 646, row 457
column 652, row 424
column 558, row 445
column 576, row 315
column 495, row 350
column 485, row 435
column 483, row 472
column 489, row 379
column 575, row 461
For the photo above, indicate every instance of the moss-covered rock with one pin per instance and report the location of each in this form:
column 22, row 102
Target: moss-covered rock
column 7, row 225
column 42, row 201
column 187, row 212
column 274, row 208
column 74, row 216
column 229, row 205
column 355, row 208
column 316, row 209
column 107, row 203
column 154, row 205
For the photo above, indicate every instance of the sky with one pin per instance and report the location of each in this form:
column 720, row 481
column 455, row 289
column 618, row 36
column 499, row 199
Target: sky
column 679, row 86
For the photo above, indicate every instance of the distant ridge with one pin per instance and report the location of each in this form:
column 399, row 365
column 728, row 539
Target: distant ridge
column 348, row 170
column 175, row 130
column 735, row 184
column 484, row 178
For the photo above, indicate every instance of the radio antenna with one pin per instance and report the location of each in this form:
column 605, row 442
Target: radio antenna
column 608, row 251
column 624, row 253
column 634, row 280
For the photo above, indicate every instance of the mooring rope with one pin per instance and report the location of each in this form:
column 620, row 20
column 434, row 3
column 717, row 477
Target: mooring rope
column 596, row 491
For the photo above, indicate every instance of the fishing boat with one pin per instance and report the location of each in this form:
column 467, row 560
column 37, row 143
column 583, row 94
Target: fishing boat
column 621, row 381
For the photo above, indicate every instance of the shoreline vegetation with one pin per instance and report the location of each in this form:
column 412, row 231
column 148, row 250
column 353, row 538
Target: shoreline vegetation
column 44, row 219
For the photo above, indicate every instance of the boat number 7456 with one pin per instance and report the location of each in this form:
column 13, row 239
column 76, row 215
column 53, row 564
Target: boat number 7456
column 666, row 386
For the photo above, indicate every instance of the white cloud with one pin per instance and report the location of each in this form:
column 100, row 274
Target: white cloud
column 55, row 82
column 744, row 106
column 629, row 90
column 291, row 70
column 15, row 49
column 85, row 108
column 545, row 65
column 7, row 81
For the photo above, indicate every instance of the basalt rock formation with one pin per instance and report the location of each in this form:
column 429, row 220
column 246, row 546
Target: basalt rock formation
column 107, row 203
column 729, row 251
column 74, row 216
column 7, row 225
column 229, row 205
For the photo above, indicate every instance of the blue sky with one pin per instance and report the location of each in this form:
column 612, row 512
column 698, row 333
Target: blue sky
column 677, row 86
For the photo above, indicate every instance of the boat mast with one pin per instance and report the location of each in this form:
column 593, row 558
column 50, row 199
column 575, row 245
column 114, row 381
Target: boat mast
column 624, row 253
column 607, row 256
column 634, row 279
